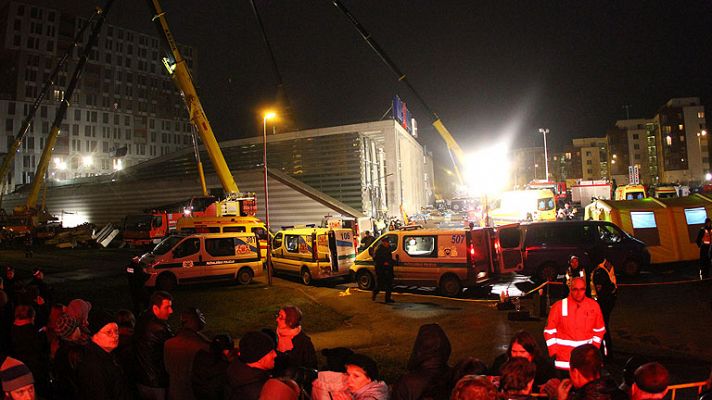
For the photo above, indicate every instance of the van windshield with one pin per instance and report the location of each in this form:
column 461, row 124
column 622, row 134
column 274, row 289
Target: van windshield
column 166, row 245
column 545, row 204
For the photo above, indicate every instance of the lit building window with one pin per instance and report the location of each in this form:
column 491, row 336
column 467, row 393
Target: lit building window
column 681, row 127
column 700, row 115
column 668, row 140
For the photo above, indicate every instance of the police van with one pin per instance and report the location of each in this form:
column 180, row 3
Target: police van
column 200, row 257
column 447, row 258
column 313, row 253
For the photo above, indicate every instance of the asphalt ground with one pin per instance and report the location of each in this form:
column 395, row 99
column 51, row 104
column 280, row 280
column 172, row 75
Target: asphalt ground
column 663, row 314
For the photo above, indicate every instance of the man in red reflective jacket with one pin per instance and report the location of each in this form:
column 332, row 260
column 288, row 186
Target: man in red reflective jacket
column 573, row 321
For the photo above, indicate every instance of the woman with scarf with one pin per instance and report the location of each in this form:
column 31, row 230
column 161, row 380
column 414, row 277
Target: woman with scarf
column 295, row 350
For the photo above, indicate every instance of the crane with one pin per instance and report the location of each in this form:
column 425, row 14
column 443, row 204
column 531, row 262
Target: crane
column 235, row 203
column 453, row 148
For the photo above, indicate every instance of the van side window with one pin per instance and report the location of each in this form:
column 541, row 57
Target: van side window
column 220, row 247
column 157, row 221
column 292, row 243
column 509, row 238
column 609, row 234
column 277, row 242
column 187, row 248
column 420, row 246
column 234, row 229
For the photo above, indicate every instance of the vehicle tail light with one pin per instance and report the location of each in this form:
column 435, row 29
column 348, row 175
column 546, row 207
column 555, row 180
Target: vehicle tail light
column 472, row 251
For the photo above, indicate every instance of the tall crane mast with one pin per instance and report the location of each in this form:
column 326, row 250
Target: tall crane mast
column 178, row 69
column 453, row 147
column 32, row 197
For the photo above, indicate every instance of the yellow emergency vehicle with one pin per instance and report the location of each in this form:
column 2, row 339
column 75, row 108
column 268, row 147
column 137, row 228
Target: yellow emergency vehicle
column 525, row 205
column 630, row 192
column 226, row 225
column 313, row 253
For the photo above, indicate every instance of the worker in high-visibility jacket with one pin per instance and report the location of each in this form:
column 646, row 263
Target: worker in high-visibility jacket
column 573, row 321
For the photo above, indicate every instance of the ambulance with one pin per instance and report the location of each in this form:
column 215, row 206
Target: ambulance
column 200, row 257
column 313, row 253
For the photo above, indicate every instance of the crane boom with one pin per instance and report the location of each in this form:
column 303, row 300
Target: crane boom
column 62, row 111
column 178, row 69
column 25, row 127
column 452, row 145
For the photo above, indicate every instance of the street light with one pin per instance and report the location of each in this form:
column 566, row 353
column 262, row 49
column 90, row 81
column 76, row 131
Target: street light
column 267, row 116
column 535, row 167
column 546, row 154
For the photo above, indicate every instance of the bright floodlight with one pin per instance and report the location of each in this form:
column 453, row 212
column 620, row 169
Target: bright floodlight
column 87, row 161
column 270, row 115
column 708, row 176
column 487, row 171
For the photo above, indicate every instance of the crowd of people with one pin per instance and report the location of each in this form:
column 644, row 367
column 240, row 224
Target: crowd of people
column 77, row 351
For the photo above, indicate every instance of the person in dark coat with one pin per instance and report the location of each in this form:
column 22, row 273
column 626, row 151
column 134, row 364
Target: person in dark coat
column 72, row 344
column 586, row 382
column 152, row 332
column 604, row 288
column 99, row 375
column 294, row 348
column 704, row 242
column 252, row 368
column 383, row 262
column 524, row 345
column 29, row 345
column 180, row 350
column 428, row 370
column 517, row 379
column 209, row 372
column 124, row 353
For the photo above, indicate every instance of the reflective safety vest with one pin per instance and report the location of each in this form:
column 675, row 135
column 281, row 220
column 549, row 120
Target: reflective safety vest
column 571, row 275
column 707, row 237
column 570, row 325
column 611, row 276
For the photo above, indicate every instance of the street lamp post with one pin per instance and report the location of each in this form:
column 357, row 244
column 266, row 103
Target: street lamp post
column 546, row 154
column 267, row 116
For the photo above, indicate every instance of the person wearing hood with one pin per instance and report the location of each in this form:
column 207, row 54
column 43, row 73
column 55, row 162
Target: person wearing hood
column 362, row 380
column 428, row 368
column 72, row 341
column 252, row 368
column 294, row 348
column 99, row 376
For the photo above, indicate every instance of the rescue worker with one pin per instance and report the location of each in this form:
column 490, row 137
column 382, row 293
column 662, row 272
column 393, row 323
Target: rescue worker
column 704, row 242
column 573, row 321
column 575, row 270
column 383, row 261
column 367, row 240
column 603, row 290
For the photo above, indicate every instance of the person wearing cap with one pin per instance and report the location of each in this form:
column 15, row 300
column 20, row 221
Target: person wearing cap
column 17, row 380
column 72, row 341
column 209, row 371
column 651, row 382
column 575, row 269
column 294, row 347
column 99, row 376
column 251, row 369
column 362, row 379
column 180, row 350
column 151, row 333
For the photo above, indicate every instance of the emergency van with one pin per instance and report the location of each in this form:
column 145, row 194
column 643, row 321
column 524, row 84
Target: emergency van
column 224, row 225
column 525, row 205
column 313, row 253
column 630, row 192
column 200, row 257
column 447, row 258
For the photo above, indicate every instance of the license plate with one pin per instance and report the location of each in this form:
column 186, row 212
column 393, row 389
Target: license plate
column 130, row 270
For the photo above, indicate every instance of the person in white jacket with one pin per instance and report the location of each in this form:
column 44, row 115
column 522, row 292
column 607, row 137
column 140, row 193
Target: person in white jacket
column 361, row 381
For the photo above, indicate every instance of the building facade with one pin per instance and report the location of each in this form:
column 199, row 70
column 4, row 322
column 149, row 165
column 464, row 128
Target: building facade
column 125, row 109
column 594, row 157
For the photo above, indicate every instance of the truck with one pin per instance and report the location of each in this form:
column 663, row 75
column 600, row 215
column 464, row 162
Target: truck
column 584, row 191
column 558, row 188
column 524, row 205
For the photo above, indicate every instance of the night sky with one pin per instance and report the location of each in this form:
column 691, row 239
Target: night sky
column 490, row 69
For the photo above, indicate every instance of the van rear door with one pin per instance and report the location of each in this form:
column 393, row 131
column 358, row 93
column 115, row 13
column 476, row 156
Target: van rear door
column 342, row 250
column 508, row 248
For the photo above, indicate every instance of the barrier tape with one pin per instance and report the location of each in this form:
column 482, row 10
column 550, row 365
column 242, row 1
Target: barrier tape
column 672, row 389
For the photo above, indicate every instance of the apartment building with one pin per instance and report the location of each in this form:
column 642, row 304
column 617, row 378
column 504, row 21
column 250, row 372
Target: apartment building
column 594, row 157
column 124, row 111
column 682, row 144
